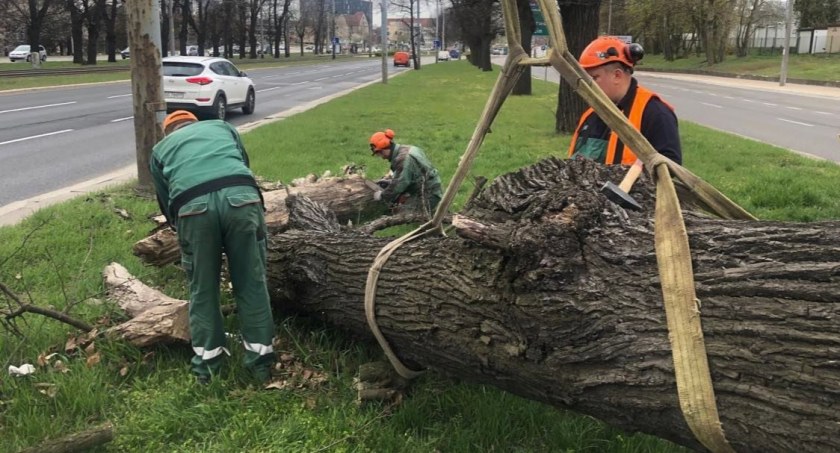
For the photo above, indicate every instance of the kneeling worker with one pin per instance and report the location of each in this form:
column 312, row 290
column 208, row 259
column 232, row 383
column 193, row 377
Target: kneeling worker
column 610, row 61
column 207, row 192
column 412, row 173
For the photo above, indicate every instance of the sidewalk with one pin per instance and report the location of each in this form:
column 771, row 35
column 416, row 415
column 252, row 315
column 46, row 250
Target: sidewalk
column 551, row 75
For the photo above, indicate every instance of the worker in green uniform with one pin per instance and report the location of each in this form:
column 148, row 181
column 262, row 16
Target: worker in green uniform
column 413, row 178
column 207, row 192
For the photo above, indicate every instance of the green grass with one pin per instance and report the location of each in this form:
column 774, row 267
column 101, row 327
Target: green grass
column 55, row 258
column 822, row 67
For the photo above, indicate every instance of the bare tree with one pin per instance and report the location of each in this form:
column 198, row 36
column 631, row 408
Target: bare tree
column 305, row 22
column 74, row 8
column 200, row 23
column 109, row 18
column 480, row 22
column 713, row 20
column 254, row 8
column 92, row 15
column 412, row 8
column 527, row 25
column 280, row 25
column 33, row 13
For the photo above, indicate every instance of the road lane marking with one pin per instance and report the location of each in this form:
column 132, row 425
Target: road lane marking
column 769, row 104
column 747, row 100
column 119, row 96
column 823, row 113
column 268, row 89
column 301, row 83
column 322, row 78
column 793, row 108
column 36, row 107
column 35, row 136
column 795, row 122
column 712, row 105
column 122, row 119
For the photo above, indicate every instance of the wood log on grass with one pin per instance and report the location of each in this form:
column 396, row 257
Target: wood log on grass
column 549, row 291
column 349, row 197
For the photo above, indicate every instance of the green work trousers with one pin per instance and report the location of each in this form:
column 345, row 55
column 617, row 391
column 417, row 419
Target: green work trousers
column 229, row 220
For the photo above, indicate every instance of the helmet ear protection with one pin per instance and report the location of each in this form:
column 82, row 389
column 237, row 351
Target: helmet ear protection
column 608, row 49
column 381, row 140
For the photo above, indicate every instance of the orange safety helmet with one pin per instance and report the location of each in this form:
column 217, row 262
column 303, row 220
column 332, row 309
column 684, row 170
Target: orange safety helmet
column 608, row 49
column 176, row 117
column 381, row 140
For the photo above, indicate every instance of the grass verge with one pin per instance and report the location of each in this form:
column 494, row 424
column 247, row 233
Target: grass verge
column 55, row 257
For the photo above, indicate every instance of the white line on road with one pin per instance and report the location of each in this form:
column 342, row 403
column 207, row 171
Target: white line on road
column 122, row 119
column 35, row 136
column 301, row 83
column 747, row 100
column 268, row 89
column 119, row 96
column 322, row 78
column 793, row 108
column 37, row 107
column 712, row 105
column 770, row 104
column 823, row 113
column 795, row 122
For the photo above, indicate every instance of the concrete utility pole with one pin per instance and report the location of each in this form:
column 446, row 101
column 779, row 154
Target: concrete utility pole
column 146, row 81
column 170, row 6
column 383, row 31
column 786, row 50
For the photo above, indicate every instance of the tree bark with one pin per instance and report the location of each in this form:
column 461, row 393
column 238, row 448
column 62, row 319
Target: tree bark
column 552, row 293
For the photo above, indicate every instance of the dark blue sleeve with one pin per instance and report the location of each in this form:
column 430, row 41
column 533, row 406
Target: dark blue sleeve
column 659, row 126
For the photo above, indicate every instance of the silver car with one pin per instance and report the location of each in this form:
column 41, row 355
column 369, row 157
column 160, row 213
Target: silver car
column 207, row 86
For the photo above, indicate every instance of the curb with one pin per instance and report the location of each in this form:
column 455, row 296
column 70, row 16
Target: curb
column 824, row 83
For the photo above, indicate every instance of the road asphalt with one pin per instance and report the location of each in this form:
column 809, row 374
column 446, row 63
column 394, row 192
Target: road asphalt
column 14, row 212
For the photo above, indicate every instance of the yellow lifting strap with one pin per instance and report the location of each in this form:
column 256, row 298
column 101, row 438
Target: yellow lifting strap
column 691, row 368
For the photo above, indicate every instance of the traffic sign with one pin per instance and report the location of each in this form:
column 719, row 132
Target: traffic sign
column 335, row 41
column 541, row 28
column 437, row 44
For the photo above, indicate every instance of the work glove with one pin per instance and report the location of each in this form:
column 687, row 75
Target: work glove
column 377, row 195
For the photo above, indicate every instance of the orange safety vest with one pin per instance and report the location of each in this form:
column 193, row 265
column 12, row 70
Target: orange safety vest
column 643, row 96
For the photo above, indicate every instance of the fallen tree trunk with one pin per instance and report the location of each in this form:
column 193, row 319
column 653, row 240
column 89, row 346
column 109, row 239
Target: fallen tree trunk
column 76, row 442
column 351, row 198
column 552, row 293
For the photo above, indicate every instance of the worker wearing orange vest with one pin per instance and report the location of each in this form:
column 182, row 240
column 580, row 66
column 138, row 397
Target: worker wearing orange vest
column 610, row 61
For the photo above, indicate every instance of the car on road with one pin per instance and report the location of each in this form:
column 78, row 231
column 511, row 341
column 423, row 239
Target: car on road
column 206, row 86
column 443, row 55
column 22, row 53
column 126, row 53
column 454, row 54
column 402, row 59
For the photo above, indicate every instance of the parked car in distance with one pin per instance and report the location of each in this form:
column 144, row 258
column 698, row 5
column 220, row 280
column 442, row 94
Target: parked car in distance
column 126, row 53
column 402, row 59
column 443, row 55
column 21, row 53
column 206, row 86
column 192, row 51
column 454, row 54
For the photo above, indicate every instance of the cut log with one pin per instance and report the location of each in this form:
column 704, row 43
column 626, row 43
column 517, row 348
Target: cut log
column 155, row 317
column 351, row 198
column 552, row 293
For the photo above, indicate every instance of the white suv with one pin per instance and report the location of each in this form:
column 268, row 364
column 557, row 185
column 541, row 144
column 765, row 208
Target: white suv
column 21, row 52
column 207, row 86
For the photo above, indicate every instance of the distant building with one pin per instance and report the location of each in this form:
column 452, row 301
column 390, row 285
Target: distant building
column 344, row 7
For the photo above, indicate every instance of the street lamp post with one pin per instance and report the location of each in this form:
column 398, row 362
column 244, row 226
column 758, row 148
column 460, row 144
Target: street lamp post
column 333, row 29
column 786, row 50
